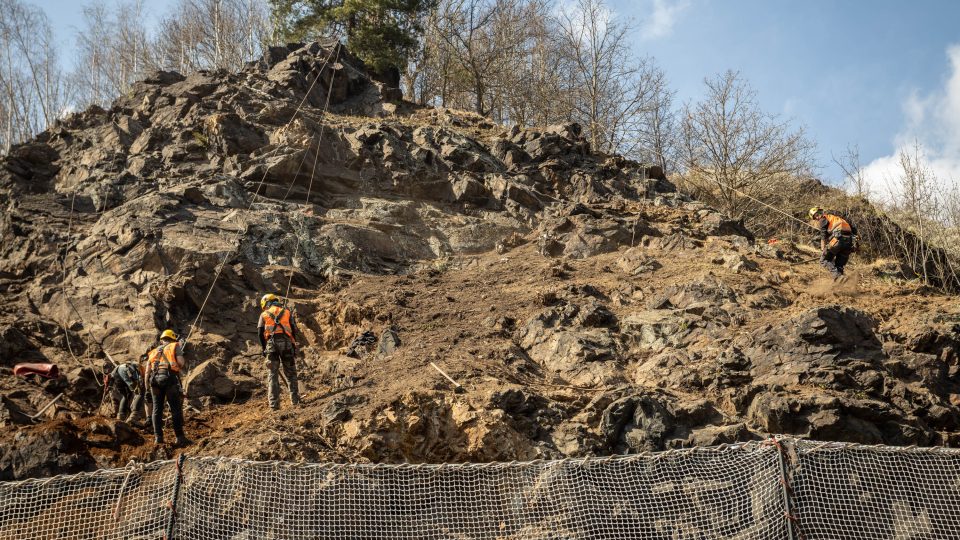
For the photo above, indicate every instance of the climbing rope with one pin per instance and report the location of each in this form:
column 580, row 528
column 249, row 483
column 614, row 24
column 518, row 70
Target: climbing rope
column 241, row 231
column 313, row 172
column 63, row 290
column 770, row 206
column 226, row 258
column 752, row 198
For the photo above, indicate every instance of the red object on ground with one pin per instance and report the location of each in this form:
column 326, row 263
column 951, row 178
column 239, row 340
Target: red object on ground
column 49, row 371
column 772, row 241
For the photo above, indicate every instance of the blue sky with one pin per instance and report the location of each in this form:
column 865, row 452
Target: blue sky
column 66, row 16
column 874, row 73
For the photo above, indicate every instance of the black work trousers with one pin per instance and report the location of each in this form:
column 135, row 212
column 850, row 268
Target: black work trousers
column 281, row 355
column 837, row 255
column 130, row 407
column 166, row 387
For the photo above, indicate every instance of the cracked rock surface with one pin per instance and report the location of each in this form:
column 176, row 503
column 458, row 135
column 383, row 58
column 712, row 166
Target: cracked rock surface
column 584, row 304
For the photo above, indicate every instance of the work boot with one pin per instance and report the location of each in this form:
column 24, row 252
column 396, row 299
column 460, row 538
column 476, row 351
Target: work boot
column 182, row 441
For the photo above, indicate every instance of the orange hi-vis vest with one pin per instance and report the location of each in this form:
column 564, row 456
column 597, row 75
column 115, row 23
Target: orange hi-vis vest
column 836, row 225
column 164, row 357
column 276, row 320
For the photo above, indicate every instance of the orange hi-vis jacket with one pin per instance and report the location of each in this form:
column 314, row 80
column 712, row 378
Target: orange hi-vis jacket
column 276, row 320
column 833, row 226
column 836, row 225
column 164, row 357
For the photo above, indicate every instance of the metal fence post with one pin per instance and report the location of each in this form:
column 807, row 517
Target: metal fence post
column 785, row 487
column 168, row 535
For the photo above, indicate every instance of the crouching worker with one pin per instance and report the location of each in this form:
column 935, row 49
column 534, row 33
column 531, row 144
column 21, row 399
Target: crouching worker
column 278, row 333
column 164, row 364
column 837, row 241
column 127, row 383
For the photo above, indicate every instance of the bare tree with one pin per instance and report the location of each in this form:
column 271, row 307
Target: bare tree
column 113, row 50
column 660, row 135
column 433, row 75
column 733, row 150
column 533, row 87
column 212, row 34
column 532, row 62
column 496, row 57
column 34, row 92
column 854, row 178
column 951, row 205
column 915, row 201
column 611, row 93
column 465, row 33
column 482, row 50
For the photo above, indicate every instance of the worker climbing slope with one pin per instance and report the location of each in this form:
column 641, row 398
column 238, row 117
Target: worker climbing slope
column 837, row 241
column 278, row 332
column 127, row 383
column 164, row 364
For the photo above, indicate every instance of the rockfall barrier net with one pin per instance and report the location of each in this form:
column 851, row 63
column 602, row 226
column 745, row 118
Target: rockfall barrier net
column 785, row 489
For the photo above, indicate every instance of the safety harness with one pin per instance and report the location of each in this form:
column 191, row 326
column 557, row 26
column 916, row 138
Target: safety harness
column 274, row 323
column 163, row 358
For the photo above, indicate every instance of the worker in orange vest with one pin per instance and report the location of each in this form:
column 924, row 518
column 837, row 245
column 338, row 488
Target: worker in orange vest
column 836, row 241
column 164, row 365
column 278, row 332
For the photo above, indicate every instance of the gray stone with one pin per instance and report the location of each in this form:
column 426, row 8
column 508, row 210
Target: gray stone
column 389, row 342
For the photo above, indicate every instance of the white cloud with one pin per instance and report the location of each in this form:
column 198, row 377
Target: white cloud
column 932, row 122
column 663, row 17
column 577, row 17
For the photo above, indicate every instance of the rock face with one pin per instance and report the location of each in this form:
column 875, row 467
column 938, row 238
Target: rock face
column 583, row 303
column 55, row 450
column 209, row 383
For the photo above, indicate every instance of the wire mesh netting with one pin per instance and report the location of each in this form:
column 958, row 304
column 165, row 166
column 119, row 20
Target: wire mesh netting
column 721, row 492
column 730, row 491
column 851, row 491
column 110, row 503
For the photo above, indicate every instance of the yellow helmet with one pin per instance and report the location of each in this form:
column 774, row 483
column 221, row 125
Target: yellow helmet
column 814, row 211
column 168, row 334
column 267, row 298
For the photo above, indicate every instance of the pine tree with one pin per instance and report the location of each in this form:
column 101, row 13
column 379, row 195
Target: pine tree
column 383, row 33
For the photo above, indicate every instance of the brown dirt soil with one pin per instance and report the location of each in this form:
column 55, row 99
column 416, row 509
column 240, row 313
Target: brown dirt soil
column 442, row 315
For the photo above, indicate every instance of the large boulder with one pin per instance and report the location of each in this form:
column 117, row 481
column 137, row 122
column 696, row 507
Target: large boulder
column 577, row 342
column 229, row 134
column 580, row 232
column 828, row 345
column 836, row 418
column 648, row 422
column 209, row 380
column 55, row 449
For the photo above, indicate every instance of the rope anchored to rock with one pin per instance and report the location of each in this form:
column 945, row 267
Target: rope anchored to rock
column 242, row 231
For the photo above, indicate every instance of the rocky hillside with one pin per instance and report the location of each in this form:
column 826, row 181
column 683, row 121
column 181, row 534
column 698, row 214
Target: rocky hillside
column 585, row 306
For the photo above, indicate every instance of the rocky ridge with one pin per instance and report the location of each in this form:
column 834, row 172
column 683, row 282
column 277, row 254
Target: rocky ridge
column 585, row 305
